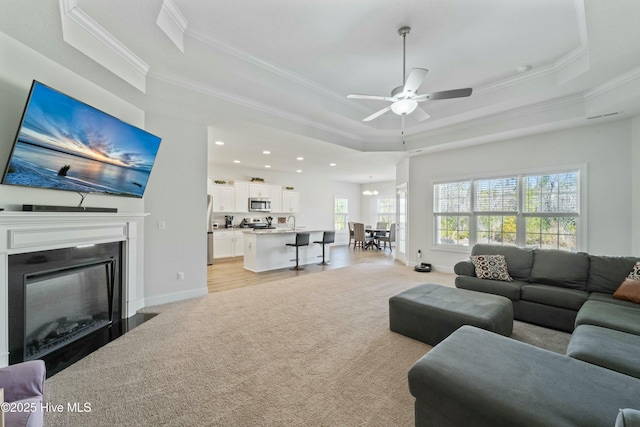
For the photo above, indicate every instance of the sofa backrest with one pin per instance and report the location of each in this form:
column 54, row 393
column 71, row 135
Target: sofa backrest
column 560, row 268
column 606, row 273
column 519, row 260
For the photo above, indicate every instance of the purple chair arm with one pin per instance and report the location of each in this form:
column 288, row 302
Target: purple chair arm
column 23, row 380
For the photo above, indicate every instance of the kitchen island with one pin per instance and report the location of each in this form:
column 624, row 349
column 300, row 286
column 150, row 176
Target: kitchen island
column 266, row 250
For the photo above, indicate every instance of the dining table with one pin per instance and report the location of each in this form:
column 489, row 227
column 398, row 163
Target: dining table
column 372, row 232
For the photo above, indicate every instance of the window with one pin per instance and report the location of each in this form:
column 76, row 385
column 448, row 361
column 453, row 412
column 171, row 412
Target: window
column 340, row 212
column 521, row 210
column 496, row 208
column 551, row 210
column 386, row 209
column 452, row 212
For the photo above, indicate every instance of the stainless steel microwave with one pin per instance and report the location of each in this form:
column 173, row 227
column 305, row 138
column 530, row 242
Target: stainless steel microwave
column 259, row 205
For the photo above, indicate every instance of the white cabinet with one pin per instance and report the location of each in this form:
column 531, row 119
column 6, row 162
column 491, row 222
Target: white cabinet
column 276, row 198
column 223, row 198
column 242, row 196
column 259, row 190
column 238, row 243
column 290, row 201
column 223, row 244
column 228, row 244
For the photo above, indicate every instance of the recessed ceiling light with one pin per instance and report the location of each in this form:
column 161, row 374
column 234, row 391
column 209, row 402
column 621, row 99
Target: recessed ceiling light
column 236, row 161
column 266, row 152
column 267, row 166
column 219, row 143
column 299, row 158
column 332, row 164
column 299, row 170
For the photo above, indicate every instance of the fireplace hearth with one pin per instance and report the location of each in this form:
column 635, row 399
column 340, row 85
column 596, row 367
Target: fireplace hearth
column 60, row 296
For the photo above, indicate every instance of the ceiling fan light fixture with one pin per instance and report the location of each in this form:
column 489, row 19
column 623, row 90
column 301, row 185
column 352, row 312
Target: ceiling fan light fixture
column 404, row 106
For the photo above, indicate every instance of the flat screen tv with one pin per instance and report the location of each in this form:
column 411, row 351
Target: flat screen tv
column 65, row 144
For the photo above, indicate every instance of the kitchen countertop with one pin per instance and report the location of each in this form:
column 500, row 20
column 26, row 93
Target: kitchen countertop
column 280, row 230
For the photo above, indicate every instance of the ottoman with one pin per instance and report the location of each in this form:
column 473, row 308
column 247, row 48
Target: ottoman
column 430, row 313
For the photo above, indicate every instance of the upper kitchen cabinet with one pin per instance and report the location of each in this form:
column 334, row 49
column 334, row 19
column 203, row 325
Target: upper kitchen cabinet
column 242, row 196
column 276, row 198
column 223, row 198
column 262, row 191
column 290, row 201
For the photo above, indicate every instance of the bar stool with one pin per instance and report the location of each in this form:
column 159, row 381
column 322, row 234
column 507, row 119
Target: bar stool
column 327, row 237
column 302, row 239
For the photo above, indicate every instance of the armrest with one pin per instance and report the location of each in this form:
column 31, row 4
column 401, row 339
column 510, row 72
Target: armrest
column 465, row 268
column 23, row 380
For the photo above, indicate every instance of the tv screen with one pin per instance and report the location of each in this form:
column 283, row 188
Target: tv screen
column 65, row 144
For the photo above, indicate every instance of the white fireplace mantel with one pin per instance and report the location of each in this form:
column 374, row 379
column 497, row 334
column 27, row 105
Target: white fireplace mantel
column 23, row 232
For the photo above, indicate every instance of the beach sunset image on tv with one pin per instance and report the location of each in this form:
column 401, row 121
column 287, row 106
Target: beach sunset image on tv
column 65, row 144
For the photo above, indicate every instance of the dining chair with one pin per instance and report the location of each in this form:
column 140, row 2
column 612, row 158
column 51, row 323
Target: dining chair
column 351, row 233
column 381, row 225
column 381, row 231
column 360, row 237
column 390, row 238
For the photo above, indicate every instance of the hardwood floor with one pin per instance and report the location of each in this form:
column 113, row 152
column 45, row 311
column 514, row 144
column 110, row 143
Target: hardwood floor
column 229, row 273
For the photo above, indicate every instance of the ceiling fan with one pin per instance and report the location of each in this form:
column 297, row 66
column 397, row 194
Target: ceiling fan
column 404, row 99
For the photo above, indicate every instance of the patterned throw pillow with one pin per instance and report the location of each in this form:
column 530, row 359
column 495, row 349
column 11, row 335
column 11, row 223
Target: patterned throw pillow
column 635, row 273
column 492, row 267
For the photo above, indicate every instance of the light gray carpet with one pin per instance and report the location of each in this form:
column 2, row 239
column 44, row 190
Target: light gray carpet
column 309, row 351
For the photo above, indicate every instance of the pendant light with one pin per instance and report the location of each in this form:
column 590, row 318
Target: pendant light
column 370, row 191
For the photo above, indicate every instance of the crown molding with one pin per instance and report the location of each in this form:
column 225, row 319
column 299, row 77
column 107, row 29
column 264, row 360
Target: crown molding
column 273, row 68
column 249, row 103
column 173, row 23
column 71, row 9
column 622, row 79
column 170, row 8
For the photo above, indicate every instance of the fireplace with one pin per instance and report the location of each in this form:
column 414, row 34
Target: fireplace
column 101, row 254
column 57, row 297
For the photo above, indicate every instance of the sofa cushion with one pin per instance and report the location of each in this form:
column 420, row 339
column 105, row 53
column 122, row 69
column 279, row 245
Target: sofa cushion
column 605, row 347
column 571, row 299
column 608, row 298
column 519, row 260
column 510, row 290
column 491, row 267
column 612, row 316
column 629, row 290
column 560, row 268
column 606, row 272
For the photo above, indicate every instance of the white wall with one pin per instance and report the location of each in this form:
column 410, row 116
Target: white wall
column 605, row 148
column 178, row 199
column 316, row 193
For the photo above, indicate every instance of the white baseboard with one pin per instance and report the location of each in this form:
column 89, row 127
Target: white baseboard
column 176, row 296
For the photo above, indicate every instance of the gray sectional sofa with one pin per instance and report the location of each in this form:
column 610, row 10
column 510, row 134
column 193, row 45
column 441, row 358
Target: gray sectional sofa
column 550, row 287
column 475, row 377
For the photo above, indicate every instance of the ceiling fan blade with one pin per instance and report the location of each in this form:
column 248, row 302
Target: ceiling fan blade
column 448, row 94
column 420, row 114
column 374, row 97
column 376, row 114
column 414, row 80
